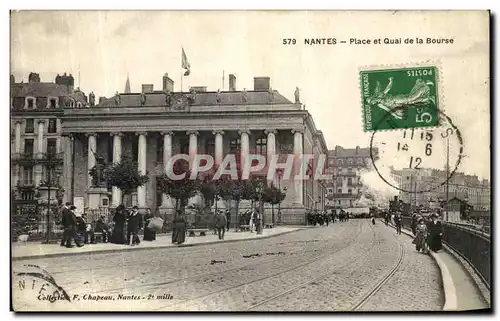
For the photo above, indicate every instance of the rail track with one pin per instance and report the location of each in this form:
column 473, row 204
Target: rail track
column 317, row 258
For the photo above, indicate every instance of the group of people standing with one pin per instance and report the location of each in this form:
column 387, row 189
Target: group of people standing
column 127, row 225
column 428, row 233
column 324, row 217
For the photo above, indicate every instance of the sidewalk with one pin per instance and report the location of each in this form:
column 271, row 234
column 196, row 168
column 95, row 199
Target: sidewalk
column 461, row 292
column 32, row 250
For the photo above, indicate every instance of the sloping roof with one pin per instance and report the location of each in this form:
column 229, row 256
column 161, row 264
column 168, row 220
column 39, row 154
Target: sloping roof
column 351, row 152
column 39, row 89
column 202, row 98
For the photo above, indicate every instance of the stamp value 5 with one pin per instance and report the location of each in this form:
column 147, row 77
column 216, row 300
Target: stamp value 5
column 400, row 98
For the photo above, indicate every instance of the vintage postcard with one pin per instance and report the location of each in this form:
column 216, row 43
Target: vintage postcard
column 250, row 161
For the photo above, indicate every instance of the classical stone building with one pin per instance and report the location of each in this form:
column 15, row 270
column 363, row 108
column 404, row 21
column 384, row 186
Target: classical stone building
column 153, row 125
column 345, row 166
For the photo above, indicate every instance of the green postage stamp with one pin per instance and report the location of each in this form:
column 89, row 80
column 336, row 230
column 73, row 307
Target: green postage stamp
column 400, row 98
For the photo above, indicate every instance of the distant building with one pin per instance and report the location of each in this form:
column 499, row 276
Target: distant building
column 345, row 166
column 433, row 181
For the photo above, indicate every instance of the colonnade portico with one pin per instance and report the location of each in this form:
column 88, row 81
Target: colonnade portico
column 192, row 135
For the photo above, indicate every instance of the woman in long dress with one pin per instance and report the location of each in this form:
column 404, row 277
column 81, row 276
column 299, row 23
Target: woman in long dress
column 179, row 229
column 435, row 233
column 420, row 240
column 149, row 235
column 118, row 235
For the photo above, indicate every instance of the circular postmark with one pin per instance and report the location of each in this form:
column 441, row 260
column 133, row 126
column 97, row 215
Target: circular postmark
column 429, row 156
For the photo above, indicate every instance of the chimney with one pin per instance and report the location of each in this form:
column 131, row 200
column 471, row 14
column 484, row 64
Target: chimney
column 65, row 80
column 232, row 82
column 168, row 84
column 357, row 150
column 395, row 198
column 12, row 79
column 261, row 83
column 147, row 88
column 33, row 77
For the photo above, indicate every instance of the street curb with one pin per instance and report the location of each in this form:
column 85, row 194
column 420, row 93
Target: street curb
column 136, row 248
column 450, row 292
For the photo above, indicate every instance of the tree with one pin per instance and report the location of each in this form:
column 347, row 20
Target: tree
column 180, row 189
column 273, row 196
column 125, row 176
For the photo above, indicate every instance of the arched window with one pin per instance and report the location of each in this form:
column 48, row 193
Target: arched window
column 261, row 145
column 78, row 105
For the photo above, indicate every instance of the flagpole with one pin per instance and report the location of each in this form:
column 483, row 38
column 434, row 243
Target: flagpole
column 182, row 76
column 222, row 88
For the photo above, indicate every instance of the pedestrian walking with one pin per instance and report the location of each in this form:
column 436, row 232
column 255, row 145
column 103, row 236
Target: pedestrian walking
column 220, row 224
column 79, row 229
column 398, row 221
column 134, row 226
column 435, row 233
column 70, row 224
column 373, row 220
column 414, row 224
column 179, row 229
column 252, row 221
column 149, row 235
column 258, row 221
column 420, row 239
column 65, row 222
column 387, row 215
column 228, row 219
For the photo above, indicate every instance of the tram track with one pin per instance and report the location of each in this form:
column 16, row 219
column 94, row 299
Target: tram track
column 272, row 259
column 268, row 277
column 314, row 260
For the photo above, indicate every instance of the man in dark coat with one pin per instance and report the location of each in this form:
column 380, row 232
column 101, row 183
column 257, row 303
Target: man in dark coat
column 65, row 220
column 414, row 224
column 435, row 233
column 220, row 224
column 134, row 225
column 399, row 222
column 69, row 223
column 149, row 235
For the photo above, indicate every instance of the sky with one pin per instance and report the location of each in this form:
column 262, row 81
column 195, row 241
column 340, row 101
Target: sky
column 100, row 48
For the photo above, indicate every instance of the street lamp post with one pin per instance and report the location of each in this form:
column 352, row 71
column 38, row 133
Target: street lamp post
column 50, row 166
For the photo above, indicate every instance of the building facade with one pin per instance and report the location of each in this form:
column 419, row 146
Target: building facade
column 467, row 188
column 36, row 151
column 345, row 166
column 153, row 125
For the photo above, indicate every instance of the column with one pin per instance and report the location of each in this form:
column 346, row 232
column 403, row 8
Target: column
column 141, row 161
column 67, row 144
column 17, row 147
column 193, row 145
column 245, row 146
column 193, row 150
column 41, row 124
column 271, row 149
column 116, row 193
column 297, row 151
column 218, row 146
column 92, row 148
column 167, row 153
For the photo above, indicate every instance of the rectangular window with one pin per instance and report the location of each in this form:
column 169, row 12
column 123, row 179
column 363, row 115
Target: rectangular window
column 30, row 126
column 51, row 146
column 31, row 103
column 53, row 103
column 29, row 146
column 339, row 191
column 349, row 181
column 349, row 191
column 159, row 150
column 52, row 129
column 49, row 174
column 28, row 175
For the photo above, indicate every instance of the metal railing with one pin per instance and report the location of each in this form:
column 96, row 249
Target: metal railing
column 473, row 245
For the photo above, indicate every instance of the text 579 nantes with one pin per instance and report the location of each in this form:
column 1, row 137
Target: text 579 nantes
column 367, row 41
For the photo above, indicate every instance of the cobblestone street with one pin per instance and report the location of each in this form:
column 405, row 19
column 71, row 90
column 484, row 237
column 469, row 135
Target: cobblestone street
column 334, row 268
